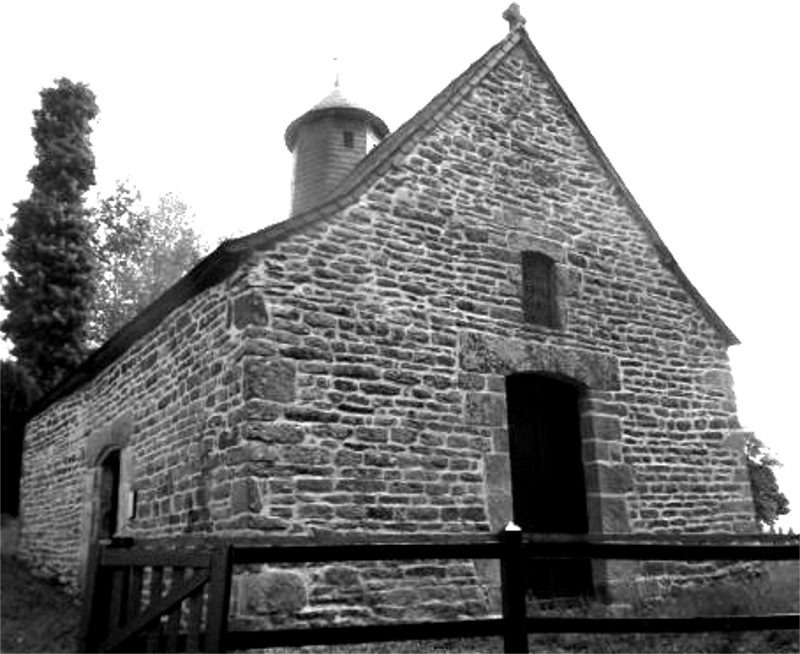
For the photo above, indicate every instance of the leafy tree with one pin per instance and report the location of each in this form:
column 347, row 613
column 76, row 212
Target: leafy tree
column 770, row 502
column 18, row 392
column 141, row 251
column 49, row 287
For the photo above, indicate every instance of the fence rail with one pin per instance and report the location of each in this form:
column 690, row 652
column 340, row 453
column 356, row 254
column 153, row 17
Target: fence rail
column 190, row 612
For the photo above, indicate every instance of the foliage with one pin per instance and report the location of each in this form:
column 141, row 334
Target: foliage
column 141, row 251
column 18, row 392
column 48, row 290
column 770, row 502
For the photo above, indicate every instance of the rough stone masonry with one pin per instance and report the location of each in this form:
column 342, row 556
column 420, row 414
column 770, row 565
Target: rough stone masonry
column 350, row 375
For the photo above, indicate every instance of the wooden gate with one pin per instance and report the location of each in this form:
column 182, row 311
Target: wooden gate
column 153, row 597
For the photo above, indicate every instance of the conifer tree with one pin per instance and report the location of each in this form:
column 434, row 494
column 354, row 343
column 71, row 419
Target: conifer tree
column 49, row 287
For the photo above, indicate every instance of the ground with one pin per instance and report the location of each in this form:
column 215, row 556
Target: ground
column 37, row 616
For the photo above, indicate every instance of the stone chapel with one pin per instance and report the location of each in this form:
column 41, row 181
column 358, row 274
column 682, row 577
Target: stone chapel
column 465, row 321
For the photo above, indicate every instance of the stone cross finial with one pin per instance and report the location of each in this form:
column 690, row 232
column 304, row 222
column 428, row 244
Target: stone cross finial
column 515, row 19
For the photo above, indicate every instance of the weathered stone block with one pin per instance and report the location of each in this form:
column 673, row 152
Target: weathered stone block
column 276, row 432
column 614, row 479
column 614, row 515
column 249, row 310
column 245, row 496
column 269, row 380
column 497, row 472
column 602, row 428
column 499, row 507
column 485, row 409
column 276, row 593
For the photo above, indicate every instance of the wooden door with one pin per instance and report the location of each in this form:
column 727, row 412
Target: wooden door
column 547, row 479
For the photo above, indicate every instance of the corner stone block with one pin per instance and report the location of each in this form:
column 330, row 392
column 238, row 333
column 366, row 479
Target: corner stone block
column 614, row 515
column 485, row 409
column 276, row 593
column 499, row 506
column 269, row 380
column 245, row 496
column 614, row 479
column 487, row 355
column 249, row 310
column 735, row 441
column 601, row 428
column 498, row 473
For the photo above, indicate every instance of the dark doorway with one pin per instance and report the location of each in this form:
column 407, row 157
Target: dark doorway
column 547, row 479
column 109, row 495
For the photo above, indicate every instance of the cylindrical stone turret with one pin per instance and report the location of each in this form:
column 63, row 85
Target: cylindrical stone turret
column 327, row 142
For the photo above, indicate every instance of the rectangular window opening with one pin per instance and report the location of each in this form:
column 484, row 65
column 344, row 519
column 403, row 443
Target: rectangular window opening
column 539, row 303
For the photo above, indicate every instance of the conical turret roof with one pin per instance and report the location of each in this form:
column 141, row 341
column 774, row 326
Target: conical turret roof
column 335, row 104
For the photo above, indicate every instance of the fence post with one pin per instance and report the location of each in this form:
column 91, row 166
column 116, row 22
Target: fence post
column 512, row 578
column 219, row 591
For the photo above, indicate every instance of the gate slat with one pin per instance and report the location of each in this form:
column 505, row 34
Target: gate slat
column 195, row 620
column 174, row 619
column 219, row 592
column 156, row 589
column 93, row 602
column 117, row 604
column 134, row 593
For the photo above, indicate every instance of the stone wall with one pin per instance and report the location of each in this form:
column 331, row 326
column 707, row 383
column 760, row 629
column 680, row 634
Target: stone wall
column 168, row 404
column 351, row 376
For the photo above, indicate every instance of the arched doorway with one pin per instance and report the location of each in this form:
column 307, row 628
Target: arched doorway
column 547, row 476
column 108, row 495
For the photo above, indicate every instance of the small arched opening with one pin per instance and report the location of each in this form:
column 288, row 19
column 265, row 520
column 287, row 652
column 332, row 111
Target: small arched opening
column 108, row 495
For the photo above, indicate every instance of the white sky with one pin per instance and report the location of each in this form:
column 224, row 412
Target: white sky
column 695, row 103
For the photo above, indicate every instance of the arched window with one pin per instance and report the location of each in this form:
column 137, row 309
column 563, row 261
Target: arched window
column 539, row 301
column 109, row 495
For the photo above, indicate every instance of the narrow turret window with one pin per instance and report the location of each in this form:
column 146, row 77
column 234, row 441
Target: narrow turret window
column 348, row 139
column 539, row 302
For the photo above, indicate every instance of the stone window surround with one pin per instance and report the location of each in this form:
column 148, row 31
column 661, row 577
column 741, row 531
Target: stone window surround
column 608, row 479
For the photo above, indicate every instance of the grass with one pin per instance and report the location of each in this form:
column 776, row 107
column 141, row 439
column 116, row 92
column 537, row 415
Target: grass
column 776, row 591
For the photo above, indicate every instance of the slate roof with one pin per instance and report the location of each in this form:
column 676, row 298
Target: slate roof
column 230, row 254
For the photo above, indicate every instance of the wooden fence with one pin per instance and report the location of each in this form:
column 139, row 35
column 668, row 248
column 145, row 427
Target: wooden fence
column 173, row 595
